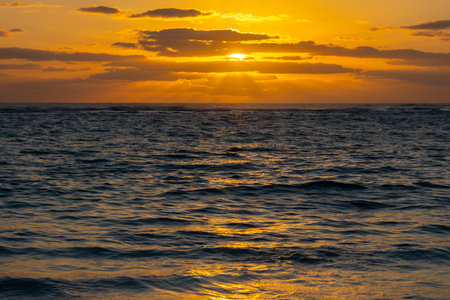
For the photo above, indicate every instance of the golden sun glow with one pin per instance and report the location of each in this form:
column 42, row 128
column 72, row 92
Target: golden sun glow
column 237, row 56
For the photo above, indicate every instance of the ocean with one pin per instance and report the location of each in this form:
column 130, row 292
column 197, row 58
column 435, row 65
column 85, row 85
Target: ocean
column 209, row 201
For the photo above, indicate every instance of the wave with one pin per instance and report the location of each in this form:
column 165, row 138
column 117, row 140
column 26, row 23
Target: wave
column 427, row 184
column 413, row 253
column 365, row 204
column 219, row 167
column 253, row 190
column 266, row 255
column 435, row 228
column 122, row 286
column 18, row 288
column 161, row 221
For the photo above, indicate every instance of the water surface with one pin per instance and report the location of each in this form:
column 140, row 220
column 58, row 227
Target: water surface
column 224, row 201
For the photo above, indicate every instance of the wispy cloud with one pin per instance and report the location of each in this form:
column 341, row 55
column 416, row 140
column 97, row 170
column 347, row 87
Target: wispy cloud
column 100, row 10
column 432, row 29
column 47, row 55
column 252, row 18
column 433, row 25
column 22, row 4
column 126, row 45
column 286, row 57
column 10, row 32
column 171, row 13
column 19, row 66
column 381, row 28
column 442, row 35
column 423, row 77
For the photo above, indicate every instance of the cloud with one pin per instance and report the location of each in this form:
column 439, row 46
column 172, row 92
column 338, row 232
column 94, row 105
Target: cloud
column 19, row 66
column 427, row 29
column 22, row 4
column 286, row 57
column 264, row 67
column 168, row 71
column 433, row 25
column 126, row 45
column 155, row 13
column 191, row 42
column 225, row 88
column 17, row 4
column 381, row 28
column 56, row 90
column 442, row 35
column 46, row 55
column 422, row 77
column 252, row 18
column 431, row 29
column 10, row 32
column 136, row 75
column 171, row 13
column 100, row 10
column 183, row 42
column 407, row 56
column 186, row 34
column 38, row 67
column 138, row 68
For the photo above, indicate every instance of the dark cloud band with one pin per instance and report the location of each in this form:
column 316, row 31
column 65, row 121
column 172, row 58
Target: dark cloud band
column 442, row 35
column 126, row 45
column 18, row 66
column 164, row 71
column 422, row 77
column 46, row 55
column 434, row 25
column 171, row 13
column 100, row 10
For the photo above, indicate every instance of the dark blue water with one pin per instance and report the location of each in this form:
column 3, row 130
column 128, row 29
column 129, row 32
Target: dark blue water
column 224, row 201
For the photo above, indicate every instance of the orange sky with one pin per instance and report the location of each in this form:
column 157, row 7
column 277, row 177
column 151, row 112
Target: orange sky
column 225, row 51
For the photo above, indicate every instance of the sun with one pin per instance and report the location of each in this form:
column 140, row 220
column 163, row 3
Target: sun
column 237, row 56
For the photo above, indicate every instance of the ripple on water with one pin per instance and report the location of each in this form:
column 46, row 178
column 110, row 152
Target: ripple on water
column 158, row 201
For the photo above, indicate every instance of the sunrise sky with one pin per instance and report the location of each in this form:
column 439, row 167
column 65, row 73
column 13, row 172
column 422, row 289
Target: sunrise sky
column 225, row 51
